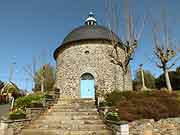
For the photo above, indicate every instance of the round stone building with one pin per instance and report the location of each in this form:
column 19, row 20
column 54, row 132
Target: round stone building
column 84, row 67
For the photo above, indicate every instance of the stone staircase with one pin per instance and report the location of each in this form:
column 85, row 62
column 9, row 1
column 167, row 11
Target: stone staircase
column 69, row 117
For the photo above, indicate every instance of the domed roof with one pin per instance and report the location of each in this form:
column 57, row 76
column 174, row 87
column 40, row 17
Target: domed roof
column 87, row 32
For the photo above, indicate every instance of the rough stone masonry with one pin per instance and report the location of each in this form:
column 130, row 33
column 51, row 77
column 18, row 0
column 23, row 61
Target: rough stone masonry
column 86, row 50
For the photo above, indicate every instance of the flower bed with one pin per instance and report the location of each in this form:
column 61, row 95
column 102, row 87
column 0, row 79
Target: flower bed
column 17, row 114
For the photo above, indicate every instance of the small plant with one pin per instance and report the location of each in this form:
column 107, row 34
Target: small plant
column 48, row 96
column 36, row 104
column 113, row 116
column 27, row 101
column 103, row 104
column 17, row 114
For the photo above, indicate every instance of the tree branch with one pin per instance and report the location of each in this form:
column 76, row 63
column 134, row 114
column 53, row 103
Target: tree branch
column 174, row 63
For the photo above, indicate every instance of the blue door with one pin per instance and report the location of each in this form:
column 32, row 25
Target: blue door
column 87, row 87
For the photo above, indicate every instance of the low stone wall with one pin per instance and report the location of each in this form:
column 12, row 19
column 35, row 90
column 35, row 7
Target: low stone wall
column 34, row 113
column 118, row 128
column 169, row 126
column 12, row 127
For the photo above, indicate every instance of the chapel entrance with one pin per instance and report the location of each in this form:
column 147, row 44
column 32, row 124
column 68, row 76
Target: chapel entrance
column 87, row 86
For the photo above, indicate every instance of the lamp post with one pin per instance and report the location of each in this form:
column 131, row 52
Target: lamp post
column 10, row 78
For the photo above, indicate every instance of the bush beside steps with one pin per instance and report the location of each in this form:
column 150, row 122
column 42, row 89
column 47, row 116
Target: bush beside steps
column 131, row 105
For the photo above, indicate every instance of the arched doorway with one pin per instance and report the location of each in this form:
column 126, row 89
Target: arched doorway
column 87, row 88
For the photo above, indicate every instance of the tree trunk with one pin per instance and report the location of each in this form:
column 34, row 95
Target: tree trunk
column 42, row 85
column 124, row 82
column 168, row 83
column 142, row 79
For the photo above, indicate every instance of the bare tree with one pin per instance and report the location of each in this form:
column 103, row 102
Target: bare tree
column 39, row 69
column 31, row 70
column 46, row 72
column 130, row 43
column 164, row 47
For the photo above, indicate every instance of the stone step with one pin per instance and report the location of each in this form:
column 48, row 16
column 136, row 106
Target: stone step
column 73, row 106
column 81, row 102
column 62, row 113
column 77, row 99
column 69, row 126
column 74, row 110
column 70, row 103
column 69, row 117
column 69, row 121
column 59, row 117
column 73, row 113
column 65, row 132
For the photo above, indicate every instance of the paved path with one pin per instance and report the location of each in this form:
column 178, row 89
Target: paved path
column 4, row 109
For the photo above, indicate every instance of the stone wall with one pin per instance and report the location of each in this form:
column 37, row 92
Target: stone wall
column 118, row 128
column 12, row 127
column 93, row 58
column 170, row 126
column 34, row 113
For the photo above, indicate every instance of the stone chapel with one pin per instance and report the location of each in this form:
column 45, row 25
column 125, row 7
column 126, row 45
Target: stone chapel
column 84, row 67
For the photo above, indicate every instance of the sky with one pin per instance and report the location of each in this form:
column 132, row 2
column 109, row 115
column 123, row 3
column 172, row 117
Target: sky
column 33, row 28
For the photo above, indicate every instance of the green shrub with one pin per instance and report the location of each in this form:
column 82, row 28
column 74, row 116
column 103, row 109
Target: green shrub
column 36, row 104
column 48, row 96
column 104, row 104
column 27, row 101
column 17, row 114
column 113, row 98
column 113, row 116
column 145, row 105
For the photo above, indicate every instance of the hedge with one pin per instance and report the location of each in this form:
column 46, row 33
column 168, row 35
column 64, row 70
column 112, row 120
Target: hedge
column 144, row 105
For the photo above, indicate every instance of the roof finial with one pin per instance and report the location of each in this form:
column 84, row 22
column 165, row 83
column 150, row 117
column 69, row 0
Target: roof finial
column 91, row 19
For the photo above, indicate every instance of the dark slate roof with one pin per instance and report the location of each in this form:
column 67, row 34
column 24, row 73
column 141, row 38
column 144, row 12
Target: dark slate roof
column 88, row 32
